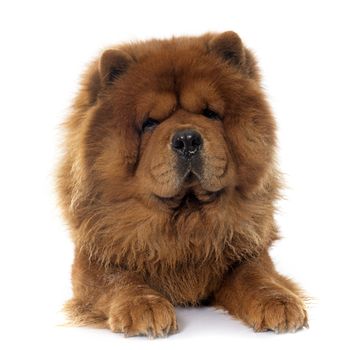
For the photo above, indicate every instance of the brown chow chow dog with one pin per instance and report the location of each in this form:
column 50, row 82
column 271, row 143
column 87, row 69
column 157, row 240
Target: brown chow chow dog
column 168, row 183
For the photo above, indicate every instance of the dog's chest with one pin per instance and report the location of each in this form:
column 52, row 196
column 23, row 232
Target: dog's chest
column 189, row 285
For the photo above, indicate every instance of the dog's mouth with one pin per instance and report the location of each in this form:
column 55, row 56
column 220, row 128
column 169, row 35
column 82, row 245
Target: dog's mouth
column 192, row 193
column 190, row 198
column 190, row 179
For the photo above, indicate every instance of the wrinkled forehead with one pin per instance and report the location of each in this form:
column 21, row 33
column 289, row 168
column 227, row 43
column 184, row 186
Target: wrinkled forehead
column 194, row 98
column 169, row 82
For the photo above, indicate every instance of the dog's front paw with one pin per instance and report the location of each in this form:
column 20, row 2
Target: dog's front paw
column 150, row 315
column 281, row 313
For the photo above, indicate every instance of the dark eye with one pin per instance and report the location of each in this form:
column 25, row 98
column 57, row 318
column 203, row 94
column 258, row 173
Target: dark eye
column 149, row 124
column 211, row 114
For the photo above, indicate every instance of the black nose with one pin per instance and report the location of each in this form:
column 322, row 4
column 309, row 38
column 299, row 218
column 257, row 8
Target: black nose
column 186, row 142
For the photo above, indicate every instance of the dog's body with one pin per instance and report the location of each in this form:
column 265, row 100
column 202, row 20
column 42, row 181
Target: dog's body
column 168, row 183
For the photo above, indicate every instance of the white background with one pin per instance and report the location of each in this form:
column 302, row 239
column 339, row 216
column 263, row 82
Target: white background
column 303, row 49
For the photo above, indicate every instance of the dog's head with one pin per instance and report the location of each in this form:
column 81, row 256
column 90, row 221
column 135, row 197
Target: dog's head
column 179, row 118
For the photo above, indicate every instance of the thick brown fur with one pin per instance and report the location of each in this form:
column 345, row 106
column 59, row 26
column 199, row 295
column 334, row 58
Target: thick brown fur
column 151, row 234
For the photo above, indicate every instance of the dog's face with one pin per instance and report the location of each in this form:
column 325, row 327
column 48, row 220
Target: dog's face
column 179, row 119
column 183, row 150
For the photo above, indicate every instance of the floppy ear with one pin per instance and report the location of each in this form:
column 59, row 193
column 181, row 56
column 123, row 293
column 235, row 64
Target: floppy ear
column 113, row 63
column 229, row 46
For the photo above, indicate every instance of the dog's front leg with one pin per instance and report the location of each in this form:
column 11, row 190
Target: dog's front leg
column 118, row 299
column 256, row 294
